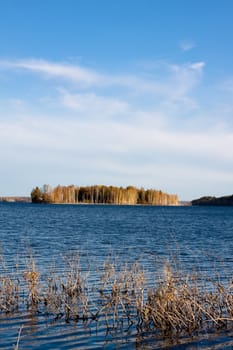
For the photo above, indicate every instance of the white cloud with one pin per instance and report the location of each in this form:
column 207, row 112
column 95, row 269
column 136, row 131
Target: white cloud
column 180, row 79
column 93, row 105
column 71, row 135
column 198, row 66
column 52, row 69
column 187, row 45
column 126, row 128
column 139, row 154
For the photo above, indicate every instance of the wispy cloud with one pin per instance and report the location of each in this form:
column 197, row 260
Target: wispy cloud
column 187, row 45
column 90, row 103
column 53, row 69
column 115, row 128
column 184, row 78
column 139, row 139
column 136, row 153
column 186, row 75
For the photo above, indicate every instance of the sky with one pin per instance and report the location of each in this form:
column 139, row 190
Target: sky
column 126, row 92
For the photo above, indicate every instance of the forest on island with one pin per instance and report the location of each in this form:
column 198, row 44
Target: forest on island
column 101, row 194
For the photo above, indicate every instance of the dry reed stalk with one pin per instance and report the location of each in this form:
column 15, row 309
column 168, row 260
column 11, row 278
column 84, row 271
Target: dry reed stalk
column 120, row 292
column 9, row 287
column 52, row 296
column 76, row 290
column 18, row 338
column 177, row 304
column 67, row 295
column 31, row 279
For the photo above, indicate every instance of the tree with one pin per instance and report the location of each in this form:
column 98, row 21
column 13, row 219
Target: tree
column 39, row 196
column 36, row 195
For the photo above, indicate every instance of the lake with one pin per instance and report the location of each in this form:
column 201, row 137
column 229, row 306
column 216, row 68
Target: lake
column 192, row 238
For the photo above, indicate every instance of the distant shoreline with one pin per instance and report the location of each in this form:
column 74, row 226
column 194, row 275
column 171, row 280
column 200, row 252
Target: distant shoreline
column 203, row 201
column 17, row 199
column 13, row 199
column 224, row 201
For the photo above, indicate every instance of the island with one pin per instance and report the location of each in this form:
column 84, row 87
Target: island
column 101, row 194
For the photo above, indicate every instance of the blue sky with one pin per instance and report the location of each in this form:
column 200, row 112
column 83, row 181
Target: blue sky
column 119, row 92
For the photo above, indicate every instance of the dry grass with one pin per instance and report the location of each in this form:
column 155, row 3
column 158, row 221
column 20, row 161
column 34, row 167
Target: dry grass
column 9, row 287
column 31, row 281
column 177, row 304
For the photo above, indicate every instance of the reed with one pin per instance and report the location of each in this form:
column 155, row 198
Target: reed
column 31, row 281
column 16, row 347
column 9, row 287
column 176, row 303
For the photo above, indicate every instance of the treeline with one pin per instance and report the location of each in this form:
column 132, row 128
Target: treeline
column 100, row 194
column 214, row 201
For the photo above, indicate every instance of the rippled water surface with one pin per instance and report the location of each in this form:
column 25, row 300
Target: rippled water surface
column 199, row 237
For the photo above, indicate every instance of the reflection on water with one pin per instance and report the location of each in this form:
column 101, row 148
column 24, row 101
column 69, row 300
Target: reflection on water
column 200, row 237
column 40, row 332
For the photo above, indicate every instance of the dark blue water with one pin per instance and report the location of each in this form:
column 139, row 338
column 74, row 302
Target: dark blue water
column 196, row 237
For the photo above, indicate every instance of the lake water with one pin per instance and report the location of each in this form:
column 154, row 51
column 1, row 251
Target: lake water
column 197, row 238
